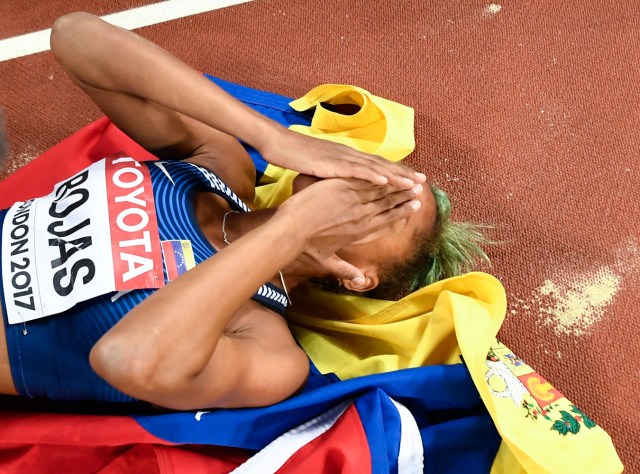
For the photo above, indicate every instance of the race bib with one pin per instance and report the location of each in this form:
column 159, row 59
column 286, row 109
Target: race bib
column 96, row 233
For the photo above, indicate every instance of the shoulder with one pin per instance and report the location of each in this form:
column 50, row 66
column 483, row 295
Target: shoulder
column 233, row 165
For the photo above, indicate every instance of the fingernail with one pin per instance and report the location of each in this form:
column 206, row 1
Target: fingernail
column 383, row 179
column 358, row 280
column 421, row 176
column 417, row 189
column 415, row 205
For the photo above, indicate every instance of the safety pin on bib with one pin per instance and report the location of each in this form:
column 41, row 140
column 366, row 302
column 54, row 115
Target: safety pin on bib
column 24, row 325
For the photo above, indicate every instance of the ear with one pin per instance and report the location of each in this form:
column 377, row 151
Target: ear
column 371, row 281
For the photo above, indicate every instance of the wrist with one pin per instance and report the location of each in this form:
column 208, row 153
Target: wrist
column 268, row 140
column 287, row 219
column 264, row 133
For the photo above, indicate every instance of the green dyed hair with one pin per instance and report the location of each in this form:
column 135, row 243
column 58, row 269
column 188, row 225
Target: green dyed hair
column 449, row 249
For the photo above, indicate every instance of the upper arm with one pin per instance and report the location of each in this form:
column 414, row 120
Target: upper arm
column 258, row 372
column 257, row 366
column 89, row 49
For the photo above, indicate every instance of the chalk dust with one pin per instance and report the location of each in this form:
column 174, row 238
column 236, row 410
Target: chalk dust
column 573, row 304
column 492, row 9
column 628, row 258
column 573, row 307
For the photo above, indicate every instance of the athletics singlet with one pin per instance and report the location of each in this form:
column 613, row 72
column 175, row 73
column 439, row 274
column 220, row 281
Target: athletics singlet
column 146, row 248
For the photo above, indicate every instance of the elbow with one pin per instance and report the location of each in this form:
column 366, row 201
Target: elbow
column 139, row 372
column 67, row 32
column 123, row 366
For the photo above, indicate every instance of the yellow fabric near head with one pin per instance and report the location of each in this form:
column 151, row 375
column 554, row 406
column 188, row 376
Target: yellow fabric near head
column 542, row 431
column 353, row 336
column 380, row 127
column 278, row 190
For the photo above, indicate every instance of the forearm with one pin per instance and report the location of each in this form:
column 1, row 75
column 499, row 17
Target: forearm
column 173, row 333
column 175, row 339
column 113, row 59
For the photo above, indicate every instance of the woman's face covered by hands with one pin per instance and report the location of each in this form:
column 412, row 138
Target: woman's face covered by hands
column 391, row 243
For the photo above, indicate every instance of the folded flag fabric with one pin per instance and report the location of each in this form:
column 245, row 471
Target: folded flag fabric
column 378, row 126
column 393, row 422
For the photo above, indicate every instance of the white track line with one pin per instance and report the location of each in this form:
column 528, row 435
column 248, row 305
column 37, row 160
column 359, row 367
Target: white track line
column 37, row 42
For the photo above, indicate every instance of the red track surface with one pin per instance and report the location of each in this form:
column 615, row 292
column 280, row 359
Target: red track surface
column 527, row 116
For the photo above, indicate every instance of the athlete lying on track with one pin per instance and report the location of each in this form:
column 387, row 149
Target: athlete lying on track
column 206, row 339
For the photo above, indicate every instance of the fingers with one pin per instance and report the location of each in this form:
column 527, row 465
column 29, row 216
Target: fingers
column 381, row 198
column 395, row 199
column 377, row 170
column 342, row 210
column 371, row 192
column 385, row 211
column 326, row 159
column 334, row 265
column 392, row 215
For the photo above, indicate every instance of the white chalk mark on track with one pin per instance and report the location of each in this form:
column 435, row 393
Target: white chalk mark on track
column 37, row 42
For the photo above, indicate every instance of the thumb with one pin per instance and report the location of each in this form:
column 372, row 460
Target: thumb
column 342, row 269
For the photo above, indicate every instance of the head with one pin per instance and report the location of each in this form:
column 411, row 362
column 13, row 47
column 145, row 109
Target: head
column 443, row 250
column 423, row 249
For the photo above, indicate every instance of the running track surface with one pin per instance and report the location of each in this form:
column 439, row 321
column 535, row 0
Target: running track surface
column 526, row 113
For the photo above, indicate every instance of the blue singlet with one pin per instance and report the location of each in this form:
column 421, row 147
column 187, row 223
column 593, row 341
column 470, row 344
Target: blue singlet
column 52, row 359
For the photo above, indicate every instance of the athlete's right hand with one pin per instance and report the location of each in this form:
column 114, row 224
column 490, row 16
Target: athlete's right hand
column 335, row 212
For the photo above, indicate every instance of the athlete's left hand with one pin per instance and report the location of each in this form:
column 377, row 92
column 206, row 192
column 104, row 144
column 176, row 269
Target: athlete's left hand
column 326, row 159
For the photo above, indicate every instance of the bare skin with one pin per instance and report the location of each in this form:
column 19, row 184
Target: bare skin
column 225, row 350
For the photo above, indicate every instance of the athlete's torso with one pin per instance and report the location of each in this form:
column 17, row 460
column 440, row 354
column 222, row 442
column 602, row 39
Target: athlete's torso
column 60, row 344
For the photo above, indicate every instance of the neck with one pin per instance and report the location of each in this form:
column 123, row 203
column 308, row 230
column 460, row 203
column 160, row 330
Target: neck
column 292, row 280
column 238, row 224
